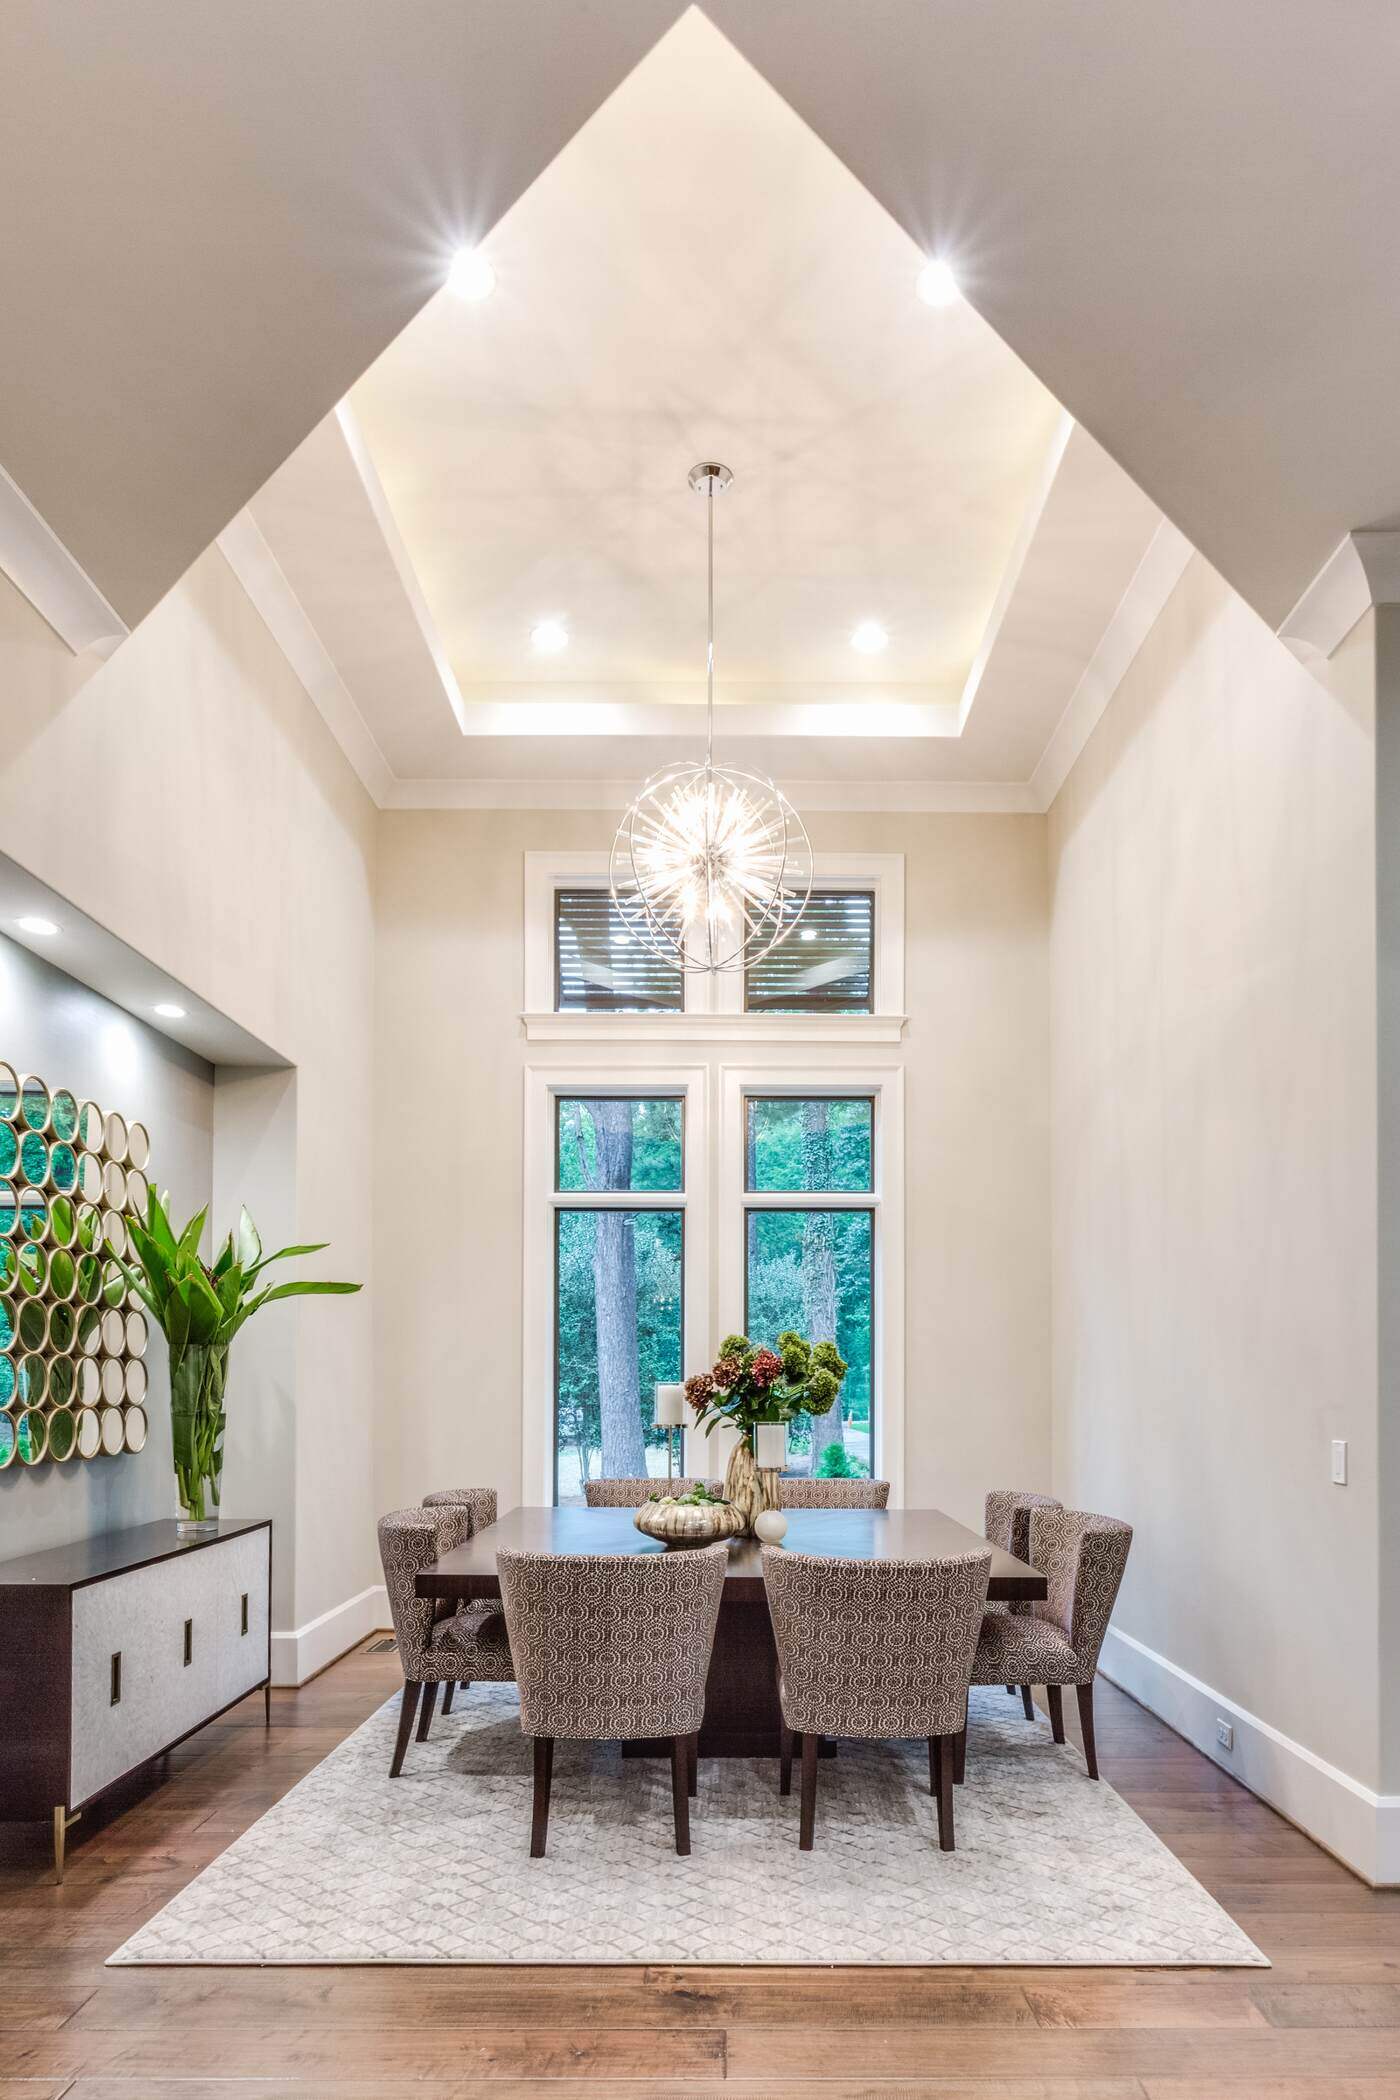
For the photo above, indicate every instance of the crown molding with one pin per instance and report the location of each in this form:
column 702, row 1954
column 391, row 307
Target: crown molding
column 58, row 587
column 1155, row 578
column 258, row 570
column 1364, row 571
column 897, row 797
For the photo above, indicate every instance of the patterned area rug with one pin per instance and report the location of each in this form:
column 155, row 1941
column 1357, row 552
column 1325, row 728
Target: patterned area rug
column 352, row 1866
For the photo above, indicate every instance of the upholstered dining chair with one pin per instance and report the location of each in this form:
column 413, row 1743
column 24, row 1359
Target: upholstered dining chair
column 806, row 1493
column 1007, row 1523
column 470, row 1643
column 631, row 1490
column 612, row 1647
column 908, row 1633
column 1057, row 1643
column 481, row 1506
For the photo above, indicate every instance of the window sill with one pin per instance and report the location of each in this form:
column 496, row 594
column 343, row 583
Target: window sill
column 713, row 1028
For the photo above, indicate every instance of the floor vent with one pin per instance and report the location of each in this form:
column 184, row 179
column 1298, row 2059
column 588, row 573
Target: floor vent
column 383, row 1647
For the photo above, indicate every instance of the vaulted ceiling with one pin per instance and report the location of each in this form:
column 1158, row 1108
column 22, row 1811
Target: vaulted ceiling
column 1180, row 218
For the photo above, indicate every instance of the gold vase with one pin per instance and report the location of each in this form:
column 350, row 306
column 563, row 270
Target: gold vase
column 751, row 1488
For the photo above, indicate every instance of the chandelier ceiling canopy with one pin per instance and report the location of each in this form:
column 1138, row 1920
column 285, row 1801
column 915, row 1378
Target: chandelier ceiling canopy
column 711, row 866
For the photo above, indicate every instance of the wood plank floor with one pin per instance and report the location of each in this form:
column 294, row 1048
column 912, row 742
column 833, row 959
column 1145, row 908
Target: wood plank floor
column 1322, row 2024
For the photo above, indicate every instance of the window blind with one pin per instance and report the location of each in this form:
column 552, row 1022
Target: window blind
column 600, row 967
column 826, row 966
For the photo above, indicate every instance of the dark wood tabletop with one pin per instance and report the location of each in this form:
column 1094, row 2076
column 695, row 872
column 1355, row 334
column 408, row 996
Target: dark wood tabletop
column 857, row 1534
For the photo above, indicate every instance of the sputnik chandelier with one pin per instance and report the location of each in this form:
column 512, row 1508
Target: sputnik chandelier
column 711, row 866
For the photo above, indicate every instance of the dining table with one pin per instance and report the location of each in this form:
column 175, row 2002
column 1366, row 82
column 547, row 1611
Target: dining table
column 742, row 1716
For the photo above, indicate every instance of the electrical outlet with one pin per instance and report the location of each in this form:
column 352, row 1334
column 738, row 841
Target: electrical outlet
column 1339, row 1462
column 1224, row 1733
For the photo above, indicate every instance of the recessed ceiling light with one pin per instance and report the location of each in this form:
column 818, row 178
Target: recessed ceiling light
column 870, row 638
column 936, row 285
column 471, row 275
column 168, row 1012
column 548, row 637
column 42, row 929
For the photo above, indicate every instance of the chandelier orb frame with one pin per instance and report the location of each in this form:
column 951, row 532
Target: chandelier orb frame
column 711, row 867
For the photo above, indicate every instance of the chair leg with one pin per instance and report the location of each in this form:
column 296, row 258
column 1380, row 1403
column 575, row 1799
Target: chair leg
column 960, row 1755
column 811, row 1747
column 411, row 1690
column 941, row 1751
column 1085, row 1695
column 1011, row 1691
column 785, row 1763
column 425, row 1712
column 692, row 1760
column 1028, row 1702
column 1057, row 1712
column 544, row 1775
column 680, row 1792
column 447, row 1691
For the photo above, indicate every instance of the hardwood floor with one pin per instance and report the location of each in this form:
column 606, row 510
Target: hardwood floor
column 1322, row 2024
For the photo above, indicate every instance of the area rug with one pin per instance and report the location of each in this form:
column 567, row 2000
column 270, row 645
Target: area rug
column 352, row 1866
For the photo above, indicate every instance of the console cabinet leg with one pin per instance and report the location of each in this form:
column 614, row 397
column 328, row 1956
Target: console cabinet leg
column 62, row 1822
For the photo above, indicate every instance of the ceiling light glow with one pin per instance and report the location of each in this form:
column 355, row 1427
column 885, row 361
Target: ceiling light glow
column 42, row 929
column 471, row 275
column 548, row 637
column 168, row 1012
column 936, row 285
column 870, row 638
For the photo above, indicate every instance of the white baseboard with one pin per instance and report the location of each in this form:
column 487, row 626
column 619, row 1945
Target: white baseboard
column 301, row 1653
column 1362, row 1828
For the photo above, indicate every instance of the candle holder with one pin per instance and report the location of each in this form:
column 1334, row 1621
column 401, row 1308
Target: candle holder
column 668, row 1413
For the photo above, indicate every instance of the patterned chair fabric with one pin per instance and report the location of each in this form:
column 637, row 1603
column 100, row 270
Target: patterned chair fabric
column 834, row 1494
column 630, row 1491
column 610, row 1647
column 1007, row 1523
column 875, row 1647
column 480, row 1501
column 472, row 1643
column 1082, row 1557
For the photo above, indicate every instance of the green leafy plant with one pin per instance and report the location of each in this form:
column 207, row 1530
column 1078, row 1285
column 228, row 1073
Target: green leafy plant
column 199, row 1307
column 836, row 1463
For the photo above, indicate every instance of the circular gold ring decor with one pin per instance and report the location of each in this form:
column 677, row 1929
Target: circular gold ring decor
column 63, row 1116
column 9, row 1379
column 134, row 1428
column 91, row 1124
column 114, row 1137
column 137, row 1333
column 89, row 1381
column 33, row 1325
column 114, row 1185
column 9, row 1094
column 34, row 1160
column 89, row 1177
column 9, row 1441
column 63, row 1434
column 113, row 1381
column 685, row 1523
column 9, row 1151
column 33, row 1270
column 63, row 1328
column 9, row 1321
column 89, row 1432
column 113, row 1332
column 136, row 1381
column 113, row 1430
column 63, row 1221
column 34, row 1103
column 138, row 1145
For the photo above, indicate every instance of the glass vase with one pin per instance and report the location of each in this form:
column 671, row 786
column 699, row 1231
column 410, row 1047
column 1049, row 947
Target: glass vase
column 197, row 1434
column 751, row 1488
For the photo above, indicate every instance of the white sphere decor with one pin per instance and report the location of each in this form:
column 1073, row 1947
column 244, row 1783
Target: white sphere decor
column 771, row 1527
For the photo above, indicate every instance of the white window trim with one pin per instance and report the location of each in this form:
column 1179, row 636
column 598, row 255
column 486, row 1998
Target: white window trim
column 714, row 1004
column 543, row 1084
column 886, row 1199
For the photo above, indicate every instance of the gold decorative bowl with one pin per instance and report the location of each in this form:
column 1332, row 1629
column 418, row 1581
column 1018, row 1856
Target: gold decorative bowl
column 689, row 1523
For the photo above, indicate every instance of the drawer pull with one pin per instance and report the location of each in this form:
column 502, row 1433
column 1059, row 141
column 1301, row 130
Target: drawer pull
column 243, row 1628
column 189, row 1642
column 117, row 1678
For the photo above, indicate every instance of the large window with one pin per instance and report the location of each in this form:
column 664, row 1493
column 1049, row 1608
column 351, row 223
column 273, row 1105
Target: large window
column 827, row 966
column 619, row 1268
column 810, row 1264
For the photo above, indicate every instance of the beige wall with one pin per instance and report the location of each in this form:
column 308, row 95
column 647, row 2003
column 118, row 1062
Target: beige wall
column 1214, row 1161
column 189, row 797
column 450, row 1054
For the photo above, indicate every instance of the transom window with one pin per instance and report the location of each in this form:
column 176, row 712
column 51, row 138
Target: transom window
column 601, row 967
column 826, row 966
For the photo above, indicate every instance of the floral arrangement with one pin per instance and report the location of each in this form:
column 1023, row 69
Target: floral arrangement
column 750, row 1385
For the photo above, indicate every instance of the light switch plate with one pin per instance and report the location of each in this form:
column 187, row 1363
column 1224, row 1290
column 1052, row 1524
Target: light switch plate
column 1224, row 1733
column 1339, row 1462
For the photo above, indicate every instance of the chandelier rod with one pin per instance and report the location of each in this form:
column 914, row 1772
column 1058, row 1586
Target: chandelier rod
column 710, row 619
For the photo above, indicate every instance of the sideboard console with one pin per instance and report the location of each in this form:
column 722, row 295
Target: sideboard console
column 115, row 1649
